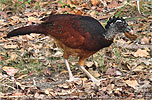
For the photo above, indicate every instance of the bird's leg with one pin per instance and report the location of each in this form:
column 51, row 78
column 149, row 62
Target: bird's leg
column 71, row 77
column 93, row 79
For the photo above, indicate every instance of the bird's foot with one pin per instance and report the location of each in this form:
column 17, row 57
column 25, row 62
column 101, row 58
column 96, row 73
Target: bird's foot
column 73, row 79
column 96, row 82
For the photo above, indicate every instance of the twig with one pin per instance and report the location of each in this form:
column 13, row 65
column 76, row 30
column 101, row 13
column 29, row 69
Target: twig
column 9, row 86
column 133, row 46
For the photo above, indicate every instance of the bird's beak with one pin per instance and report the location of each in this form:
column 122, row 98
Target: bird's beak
column 129, row 34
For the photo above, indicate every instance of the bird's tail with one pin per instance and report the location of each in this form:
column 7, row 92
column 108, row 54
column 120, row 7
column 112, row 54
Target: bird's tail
column 26, row 30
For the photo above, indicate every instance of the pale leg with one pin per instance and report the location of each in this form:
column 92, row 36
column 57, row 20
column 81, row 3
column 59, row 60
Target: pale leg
column 71, row 78
column 97, row 82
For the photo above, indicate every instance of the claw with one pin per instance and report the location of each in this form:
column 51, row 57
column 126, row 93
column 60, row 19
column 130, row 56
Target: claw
column 97, row 82
column 73, row 80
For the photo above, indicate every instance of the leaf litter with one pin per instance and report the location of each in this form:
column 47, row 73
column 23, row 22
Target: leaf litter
column 32, row 66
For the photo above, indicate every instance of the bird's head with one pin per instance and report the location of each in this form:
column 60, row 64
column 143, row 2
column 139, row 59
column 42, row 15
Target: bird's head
column 117, row 25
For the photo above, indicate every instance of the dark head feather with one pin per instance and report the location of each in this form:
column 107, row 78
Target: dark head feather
column 113, row 20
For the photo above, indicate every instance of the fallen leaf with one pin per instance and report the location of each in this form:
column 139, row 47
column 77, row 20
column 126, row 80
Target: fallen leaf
column 11, row 71
column 33, row 19
column 18, row 94
column 21, row 86
column 141, row 53
column 68, row 2
column 138, row 68
column 79, row 12
column 13, row 56
column 12, row 46
column 111, row 71
column 58, row 54
column 132, row 83
column 145, row 40
column 15, row 18
column 89, row 63
column 113, row 4
column 1, row 76
column 64, row 86
column 149, row 17
column 149, row 34
column 20, row 77
column 95, row 2
column 95, row 73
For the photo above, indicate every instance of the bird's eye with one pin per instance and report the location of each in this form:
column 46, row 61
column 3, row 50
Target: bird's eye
column 120, row 25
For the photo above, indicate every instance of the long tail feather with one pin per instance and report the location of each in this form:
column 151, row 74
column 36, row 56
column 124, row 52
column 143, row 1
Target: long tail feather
column 26, row 30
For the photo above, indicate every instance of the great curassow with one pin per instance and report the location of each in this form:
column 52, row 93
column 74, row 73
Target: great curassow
column 77, row 35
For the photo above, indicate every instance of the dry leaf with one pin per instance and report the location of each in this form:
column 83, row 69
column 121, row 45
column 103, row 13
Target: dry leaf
column 11, row 71
column 13, row 56
column 33, row 19
column 18, row 94
column 95, row 2
column 68, row 2
column 111, row 71
column 145, row 40
column 20, row 77
column 149, row 17
column 139, row 68
column 21, row 86
column 65, row 86
column 141, row 53
column 1, row 76
column 113, row 4
column 13, row 46
column 89, row 63
column 58, row 54
column 95, row 73
column 77, row 2
column 15, row 18
column 132, row 83
column 149, row 34
column 79, row 12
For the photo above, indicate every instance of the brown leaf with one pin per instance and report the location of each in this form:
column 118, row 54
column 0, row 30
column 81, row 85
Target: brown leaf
column 69, row 2
column 1, row 76
column 138, row 68
column 33, row 19
column 113, row 4
column 13, row 46
column 89, row 63
column 132, row 83
column 18, row 94
column 79, row 12
column 15, row 18
column 149, row 34
column 95, row 2
column 111, row 71
column 22, row 76
column 95, row 73
column 149, row 17
column 141, row 53
column 76, row 2
column 13, row 56
column 145, row 40
column 11, row 71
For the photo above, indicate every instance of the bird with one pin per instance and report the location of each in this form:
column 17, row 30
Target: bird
column 79, row 36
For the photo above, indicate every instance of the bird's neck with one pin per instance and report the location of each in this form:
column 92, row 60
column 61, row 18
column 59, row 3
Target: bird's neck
column 110, row 33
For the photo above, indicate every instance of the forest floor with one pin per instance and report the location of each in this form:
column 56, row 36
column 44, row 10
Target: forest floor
column 32, row 66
